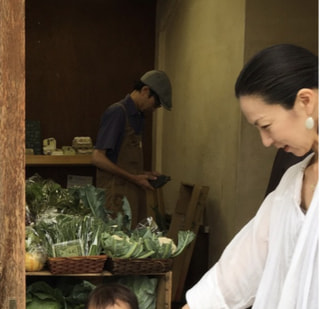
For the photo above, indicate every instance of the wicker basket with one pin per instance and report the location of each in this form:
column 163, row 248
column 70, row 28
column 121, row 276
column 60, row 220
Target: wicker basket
column 77, row 264
column 119, row 266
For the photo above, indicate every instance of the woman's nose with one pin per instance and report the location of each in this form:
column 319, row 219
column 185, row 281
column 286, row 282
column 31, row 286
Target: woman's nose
column 266, row 139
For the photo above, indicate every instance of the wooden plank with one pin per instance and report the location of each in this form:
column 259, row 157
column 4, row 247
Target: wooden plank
column 164, row 291
column 12, row 158
column 184, row 198
column 37, row 160
column 185, row 210
column 182, row 262
column 179, row 215
column 187, row 216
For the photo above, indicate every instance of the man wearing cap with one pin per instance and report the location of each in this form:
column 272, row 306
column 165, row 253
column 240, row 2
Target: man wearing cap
column 118, row 153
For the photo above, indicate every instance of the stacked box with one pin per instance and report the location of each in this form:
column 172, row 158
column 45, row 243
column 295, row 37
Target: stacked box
column 33, row 136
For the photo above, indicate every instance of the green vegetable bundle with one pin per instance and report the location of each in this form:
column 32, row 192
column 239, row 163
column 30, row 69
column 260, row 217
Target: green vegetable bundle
column 69, row 221
column 45, row 198
column 67, row 230
column 76, row 221
column 144, row 244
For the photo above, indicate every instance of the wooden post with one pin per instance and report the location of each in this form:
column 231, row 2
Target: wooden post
column 12, row 148
column 164, row 291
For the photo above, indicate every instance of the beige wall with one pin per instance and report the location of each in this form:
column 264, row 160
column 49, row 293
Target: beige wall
column 202, row 45
column 202, row 51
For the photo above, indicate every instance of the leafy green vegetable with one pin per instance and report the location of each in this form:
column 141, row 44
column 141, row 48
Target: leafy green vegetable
column 44, row 197
column 68, row 228
column 32, row 238
column 75, row 292
column 41, row 295
column 121, row 246
column 46, row 303
column 94, row 199
column 80, row 214
column 144, row 243
column 144, row 288
column 184, row 239
column 68, row 294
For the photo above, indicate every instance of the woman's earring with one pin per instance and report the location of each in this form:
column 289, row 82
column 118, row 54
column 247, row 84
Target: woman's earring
column 309, row 123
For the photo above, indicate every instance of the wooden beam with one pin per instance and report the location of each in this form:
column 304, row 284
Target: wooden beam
column 12, row 158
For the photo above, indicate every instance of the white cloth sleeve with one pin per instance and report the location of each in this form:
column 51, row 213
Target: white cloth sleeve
column 233, row 281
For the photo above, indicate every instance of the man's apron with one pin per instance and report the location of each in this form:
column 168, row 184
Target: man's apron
column 130, row 158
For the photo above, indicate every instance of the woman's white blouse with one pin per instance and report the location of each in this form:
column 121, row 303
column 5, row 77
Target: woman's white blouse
column 272, row 263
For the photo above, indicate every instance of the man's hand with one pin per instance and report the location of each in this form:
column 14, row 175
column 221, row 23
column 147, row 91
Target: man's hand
column 142, row 181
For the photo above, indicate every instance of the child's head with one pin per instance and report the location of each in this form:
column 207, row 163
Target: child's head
column 112, row 296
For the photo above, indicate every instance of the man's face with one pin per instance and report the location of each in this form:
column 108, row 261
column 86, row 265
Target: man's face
column 149, row 100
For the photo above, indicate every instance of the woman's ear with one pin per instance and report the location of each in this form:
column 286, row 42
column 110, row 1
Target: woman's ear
column 308, row 99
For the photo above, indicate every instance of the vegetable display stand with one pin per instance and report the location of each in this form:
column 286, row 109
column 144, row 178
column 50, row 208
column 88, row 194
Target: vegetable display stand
column 163, row 291
column 59, row 167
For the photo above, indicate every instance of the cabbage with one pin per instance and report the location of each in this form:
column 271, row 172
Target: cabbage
column 41, row 295
column 68, row 294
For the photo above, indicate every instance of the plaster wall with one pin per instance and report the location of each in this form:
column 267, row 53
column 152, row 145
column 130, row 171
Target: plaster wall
column 202, row 45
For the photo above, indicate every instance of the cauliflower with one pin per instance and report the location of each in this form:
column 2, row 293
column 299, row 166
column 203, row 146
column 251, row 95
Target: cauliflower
column 165, row 240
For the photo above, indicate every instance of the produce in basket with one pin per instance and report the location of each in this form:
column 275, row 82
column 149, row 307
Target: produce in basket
column 144, row 244
column 61, row 236
column 36, row 254
column 79, row 214
column 57, row 215
column 35, row 259
column 163, row 241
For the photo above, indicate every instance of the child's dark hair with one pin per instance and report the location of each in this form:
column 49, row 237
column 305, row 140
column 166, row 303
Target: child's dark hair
column 108, row 294
column 277, row 73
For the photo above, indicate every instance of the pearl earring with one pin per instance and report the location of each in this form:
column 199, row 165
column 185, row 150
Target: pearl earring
column 309, row 123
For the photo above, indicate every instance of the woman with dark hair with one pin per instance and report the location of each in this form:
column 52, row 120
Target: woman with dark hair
column 112, row 296
column 272, row 263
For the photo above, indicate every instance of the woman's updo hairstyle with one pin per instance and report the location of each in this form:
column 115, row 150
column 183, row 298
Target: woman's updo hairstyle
column 277, row 73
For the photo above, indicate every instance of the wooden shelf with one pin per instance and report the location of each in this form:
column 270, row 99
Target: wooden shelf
column 164, row 288
column 36, row 160
column 48, row 273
